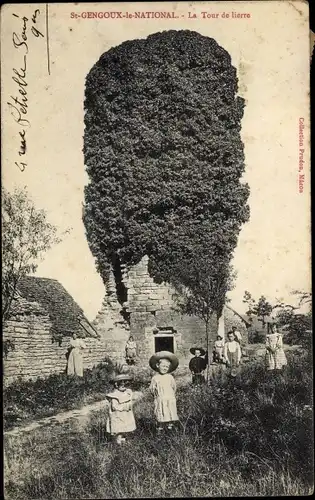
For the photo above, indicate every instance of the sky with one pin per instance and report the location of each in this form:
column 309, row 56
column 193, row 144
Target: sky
column 270, row 51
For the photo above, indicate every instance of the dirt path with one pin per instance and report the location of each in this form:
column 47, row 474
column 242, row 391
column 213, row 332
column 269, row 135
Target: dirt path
column 81, row 416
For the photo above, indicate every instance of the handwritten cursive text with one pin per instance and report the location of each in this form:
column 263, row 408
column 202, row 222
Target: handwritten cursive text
column 18, row 103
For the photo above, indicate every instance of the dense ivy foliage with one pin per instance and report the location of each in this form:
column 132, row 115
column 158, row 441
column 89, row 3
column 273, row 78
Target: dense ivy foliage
column 163, row 152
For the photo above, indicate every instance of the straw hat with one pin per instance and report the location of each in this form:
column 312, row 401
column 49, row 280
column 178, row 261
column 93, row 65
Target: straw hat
column 163, row 355
column 194, row 349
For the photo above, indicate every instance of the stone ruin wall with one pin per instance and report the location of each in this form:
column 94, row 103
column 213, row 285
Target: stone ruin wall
column 34, row 354
column 149, row 308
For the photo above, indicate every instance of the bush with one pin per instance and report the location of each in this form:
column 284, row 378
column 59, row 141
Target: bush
column 265, row 414
column 299, row 330
column 257, row 337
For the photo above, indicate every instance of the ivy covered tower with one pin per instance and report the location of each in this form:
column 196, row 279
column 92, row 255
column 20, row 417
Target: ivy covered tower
column 164, row 156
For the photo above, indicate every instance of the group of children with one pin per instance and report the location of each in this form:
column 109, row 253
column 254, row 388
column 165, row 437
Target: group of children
column 121, row 419
column 228, row 353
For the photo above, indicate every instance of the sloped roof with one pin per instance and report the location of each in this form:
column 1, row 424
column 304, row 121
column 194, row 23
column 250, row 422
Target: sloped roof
column 232, row 318
column 65, row 314
column 253, row 322
column 242, row 317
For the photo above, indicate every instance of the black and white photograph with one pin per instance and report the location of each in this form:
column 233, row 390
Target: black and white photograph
column 156, row 250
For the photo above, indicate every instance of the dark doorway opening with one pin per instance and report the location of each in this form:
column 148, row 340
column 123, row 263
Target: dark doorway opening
column 164, row 343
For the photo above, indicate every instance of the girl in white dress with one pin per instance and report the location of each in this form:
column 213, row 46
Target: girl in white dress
column 75, row 360
column 163, row 388
column 275, row 356
column 121, row 419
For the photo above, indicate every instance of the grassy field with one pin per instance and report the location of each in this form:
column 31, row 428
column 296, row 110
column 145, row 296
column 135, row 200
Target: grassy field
column 29, row 400
column 250, row 437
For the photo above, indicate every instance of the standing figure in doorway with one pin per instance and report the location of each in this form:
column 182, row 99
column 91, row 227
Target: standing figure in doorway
column 163, row 388
column 75, row 360
column 197, row 365
column 131, row 351
column 232, row 354
column 275, row 356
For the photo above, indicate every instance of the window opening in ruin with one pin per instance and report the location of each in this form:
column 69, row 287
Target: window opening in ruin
column 164, row 343
column 164, row 339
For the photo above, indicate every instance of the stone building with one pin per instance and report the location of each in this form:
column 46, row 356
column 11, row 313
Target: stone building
column 44, row 316
column 36, row 336
column 134, row 304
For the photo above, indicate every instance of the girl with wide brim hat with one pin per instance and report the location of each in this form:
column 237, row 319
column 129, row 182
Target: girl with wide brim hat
column 194, row 349
column 170, row 356
column 163, row 388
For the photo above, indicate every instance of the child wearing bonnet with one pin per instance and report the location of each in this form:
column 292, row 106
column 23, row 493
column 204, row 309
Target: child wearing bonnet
column 121, row 420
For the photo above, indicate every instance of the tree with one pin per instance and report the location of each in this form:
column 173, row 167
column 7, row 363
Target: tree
column 26, row 236
column 296, row 324
column 261, row 309
column 164, row 154
column 201, row 284
column 250, row 301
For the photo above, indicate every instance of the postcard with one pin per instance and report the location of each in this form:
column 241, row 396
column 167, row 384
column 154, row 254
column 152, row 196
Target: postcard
column 157, row 324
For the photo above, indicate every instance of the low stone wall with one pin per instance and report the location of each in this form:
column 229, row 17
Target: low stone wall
column 35, row 355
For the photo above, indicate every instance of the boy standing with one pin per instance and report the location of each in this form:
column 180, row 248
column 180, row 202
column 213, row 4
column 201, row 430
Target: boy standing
column 197, row 365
